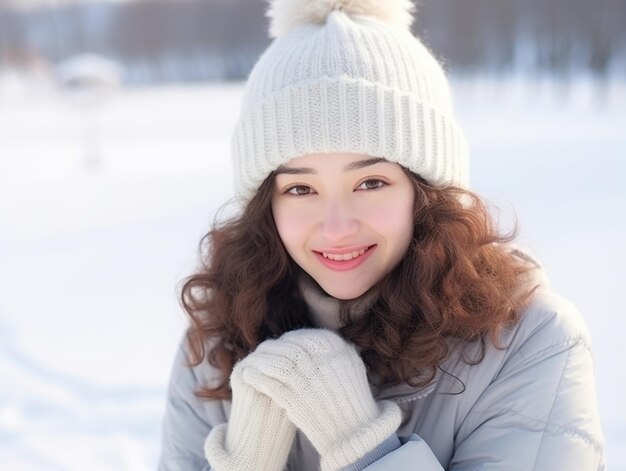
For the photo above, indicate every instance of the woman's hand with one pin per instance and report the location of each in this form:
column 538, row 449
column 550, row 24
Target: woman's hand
column 258, row 434
column 321, row 382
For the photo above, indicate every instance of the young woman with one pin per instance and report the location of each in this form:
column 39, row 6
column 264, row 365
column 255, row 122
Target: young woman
column 362, row 310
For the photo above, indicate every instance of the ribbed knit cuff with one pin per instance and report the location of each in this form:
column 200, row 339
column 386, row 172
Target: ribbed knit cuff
column 364, row 440
column 258, row 434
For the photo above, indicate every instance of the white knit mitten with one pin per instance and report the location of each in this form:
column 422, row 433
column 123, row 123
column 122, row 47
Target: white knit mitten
column 258, row 434
column 321, row 381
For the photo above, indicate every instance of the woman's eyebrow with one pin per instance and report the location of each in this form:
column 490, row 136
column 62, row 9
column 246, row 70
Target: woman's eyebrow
column 311, row 171
column 363, row 163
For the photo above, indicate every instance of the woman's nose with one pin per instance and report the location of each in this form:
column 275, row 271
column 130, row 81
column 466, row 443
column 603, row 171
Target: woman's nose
column 338, row 222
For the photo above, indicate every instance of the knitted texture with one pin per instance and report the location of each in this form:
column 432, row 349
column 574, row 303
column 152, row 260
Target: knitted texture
column 350, row 83
column 321, row 381
column 258, row 434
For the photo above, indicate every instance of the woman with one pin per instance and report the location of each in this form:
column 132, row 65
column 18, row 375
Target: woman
column 362, row 311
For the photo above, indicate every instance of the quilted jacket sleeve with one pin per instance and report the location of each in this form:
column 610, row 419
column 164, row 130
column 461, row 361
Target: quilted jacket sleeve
column 187, row 420
column 538, row 413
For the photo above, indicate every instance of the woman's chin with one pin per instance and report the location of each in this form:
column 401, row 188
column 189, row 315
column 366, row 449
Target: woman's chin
column 344, row 293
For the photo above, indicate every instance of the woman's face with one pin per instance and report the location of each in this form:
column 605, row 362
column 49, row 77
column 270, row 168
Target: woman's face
column 346, row 219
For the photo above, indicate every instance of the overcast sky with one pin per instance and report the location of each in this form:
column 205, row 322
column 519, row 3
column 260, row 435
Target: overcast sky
column 24, row 4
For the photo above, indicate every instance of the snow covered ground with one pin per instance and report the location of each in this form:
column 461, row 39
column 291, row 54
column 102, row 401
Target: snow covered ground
column 99, row 223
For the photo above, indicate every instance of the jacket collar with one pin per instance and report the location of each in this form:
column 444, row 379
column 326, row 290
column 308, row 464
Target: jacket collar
column 404, row 392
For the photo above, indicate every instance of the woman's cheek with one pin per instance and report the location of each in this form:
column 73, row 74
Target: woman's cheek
column 391, row 216
column 386, row 212
column 293, row 221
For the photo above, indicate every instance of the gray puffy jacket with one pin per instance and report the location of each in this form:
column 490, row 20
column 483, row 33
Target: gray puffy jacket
column 531, row 406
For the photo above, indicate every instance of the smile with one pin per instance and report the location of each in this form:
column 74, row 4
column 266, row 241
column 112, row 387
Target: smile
column 345, row 261
column 347, row 256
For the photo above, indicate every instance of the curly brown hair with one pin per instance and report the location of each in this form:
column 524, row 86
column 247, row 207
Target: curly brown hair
column 457, row 280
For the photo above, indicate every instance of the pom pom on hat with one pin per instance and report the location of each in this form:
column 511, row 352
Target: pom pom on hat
column 288, row 14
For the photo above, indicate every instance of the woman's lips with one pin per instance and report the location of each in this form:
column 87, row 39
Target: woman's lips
column 345, row 265
column 345, row 256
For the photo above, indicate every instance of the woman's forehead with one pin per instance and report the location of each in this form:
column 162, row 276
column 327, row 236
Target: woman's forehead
column 346, row 161
column 328, row 156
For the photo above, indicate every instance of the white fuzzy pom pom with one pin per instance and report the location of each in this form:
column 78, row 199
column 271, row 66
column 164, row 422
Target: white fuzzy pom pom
column 287, row 14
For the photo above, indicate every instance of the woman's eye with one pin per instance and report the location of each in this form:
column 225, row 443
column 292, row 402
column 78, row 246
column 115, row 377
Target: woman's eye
column 299, row 190
column 371, row 184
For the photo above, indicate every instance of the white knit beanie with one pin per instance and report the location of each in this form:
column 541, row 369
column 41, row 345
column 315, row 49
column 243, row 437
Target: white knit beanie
column 347, row 76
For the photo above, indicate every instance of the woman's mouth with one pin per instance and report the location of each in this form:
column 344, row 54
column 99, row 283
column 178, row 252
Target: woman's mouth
column 345, row 261
column 346, row 256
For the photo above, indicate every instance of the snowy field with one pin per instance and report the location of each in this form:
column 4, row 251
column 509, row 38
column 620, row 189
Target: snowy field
column 100, row 222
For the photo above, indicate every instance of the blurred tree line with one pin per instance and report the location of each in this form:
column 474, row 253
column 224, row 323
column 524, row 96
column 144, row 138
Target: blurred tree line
column 187, row 40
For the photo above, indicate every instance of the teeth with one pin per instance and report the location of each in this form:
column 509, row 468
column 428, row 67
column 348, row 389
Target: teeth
column 344, row 257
